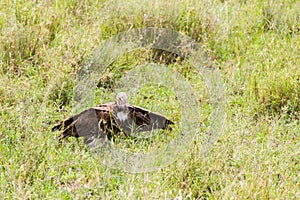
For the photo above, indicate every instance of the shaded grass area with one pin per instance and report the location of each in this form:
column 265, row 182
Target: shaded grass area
column 256, row 46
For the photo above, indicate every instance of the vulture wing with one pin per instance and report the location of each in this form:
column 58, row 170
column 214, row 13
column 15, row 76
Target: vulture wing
column 90, row 122
column 102, row 122
column 140, row 119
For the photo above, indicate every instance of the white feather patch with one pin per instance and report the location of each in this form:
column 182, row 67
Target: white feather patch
column 122, row 116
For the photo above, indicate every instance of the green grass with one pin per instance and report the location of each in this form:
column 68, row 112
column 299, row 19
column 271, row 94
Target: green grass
column 256, row 46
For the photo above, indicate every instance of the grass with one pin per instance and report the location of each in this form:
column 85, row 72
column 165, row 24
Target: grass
column 256, row 46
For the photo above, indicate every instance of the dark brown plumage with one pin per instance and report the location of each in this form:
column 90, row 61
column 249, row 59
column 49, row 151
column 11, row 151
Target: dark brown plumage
column 106, row 120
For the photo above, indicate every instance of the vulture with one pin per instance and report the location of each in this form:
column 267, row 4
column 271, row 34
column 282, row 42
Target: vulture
column 106, row 120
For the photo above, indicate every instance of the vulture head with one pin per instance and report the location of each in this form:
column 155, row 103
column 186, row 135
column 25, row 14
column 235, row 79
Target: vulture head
column 122, row 98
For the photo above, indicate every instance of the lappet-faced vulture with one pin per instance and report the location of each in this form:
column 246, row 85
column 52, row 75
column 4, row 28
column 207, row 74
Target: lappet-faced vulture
column 106, row 120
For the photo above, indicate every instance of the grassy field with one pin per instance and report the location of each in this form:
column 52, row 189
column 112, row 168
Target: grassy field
column 255, row 44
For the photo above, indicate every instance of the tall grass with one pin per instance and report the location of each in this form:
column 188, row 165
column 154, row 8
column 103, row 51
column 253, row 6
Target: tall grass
column 256, row 46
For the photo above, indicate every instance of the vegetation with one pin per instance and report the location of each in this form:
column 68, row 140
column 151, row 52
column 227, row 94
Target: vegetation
column 255, row 44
